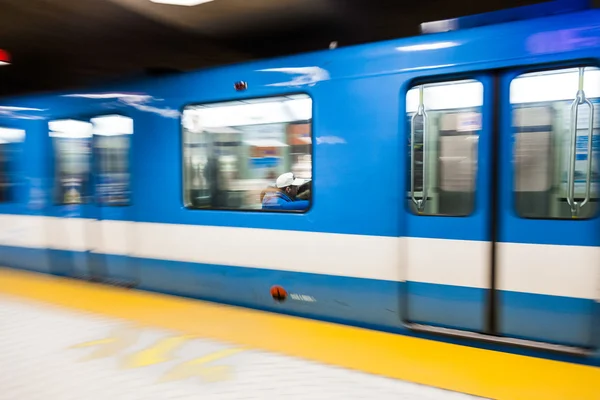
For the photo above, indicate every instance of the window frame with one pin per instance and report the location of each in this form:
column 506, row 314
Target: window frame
column 130, row 163
column 515, row 73
column 474, row 76
column 182, row 172
column 87, row 117
column 14, row 196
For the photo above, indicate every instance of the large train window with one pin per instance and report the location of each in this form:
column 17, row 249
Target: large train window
column 556, row 121
column 234, row 153
column 105, row 140
column 10, row 146
column 444, row 121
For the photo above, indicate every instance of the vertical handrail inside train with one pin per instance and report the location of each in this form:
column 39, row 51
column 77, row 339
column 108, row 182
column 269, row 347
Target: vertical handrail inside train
column 580, row 99
column 420, row 112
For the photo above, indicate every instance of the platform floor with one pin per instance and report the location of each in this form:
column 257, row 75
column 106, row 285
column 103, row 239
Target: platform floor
column 63, row 339
column 57, row 354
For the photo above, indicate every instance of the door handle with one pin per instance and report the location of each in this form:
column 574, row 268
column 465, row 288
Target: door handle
column 419, row 203
column 580, row 99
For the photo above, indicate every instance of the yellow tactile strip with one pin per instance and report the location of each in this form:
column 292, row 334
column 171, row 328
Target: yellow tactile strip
column 479, row 372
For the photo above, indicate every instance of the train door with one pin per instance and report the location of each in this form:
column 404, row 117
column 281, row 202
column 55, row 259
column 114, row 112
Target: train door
column 90, row 238
column 502, row 233
column 19, row 236
column 72, row 198
column 448, row 250
column 548, row 233
column 112, row 181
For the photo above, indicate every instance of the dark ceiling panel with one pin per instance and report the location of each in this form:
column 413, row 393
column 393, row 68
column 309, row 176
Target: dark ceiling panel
column 64, row 43
column 234, row 17
column 59, row 44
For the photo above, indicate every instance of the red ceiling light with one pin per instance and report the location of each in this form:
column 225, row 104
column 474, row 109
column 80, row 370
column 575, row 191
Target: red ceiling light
column 4, row 57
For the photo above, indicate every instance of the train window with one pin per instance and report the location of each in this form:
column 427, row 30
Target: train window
column 444, row 121
column 105, row 140
column 112, row 143
column 556, row 170
column 72, row 140
column 238, row 155
column 10, row 146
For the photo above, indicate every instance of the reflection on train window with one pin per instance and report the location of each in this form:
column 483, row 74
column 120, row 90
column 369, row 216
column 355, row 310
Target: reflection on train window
column 234, row 152
column 75, row 180
column 556, row 170
column 10, row 145
column 444, row 121
column 72, row 142
column 112, row 143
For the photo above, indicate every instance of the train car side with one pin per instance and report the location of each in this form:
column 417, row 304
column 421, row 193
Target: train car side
column 374, row 249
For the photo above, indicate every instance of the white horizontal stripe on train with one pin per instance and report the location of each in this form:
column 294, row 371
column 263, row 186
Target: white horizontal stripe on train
column 571, row 271
column 313, row 252
column 447, row 262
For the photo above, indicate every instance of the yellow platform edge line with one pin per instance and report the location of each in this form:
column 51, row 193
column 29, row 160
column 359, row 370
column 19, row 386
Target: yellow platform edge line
column 484, row 373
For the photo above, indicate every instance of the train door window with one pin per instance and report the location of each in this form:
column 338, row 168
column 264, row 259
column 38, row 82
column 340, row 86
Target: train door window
column 72, row 140
column 233, row 152
column 555, row 122
column 444, row 121
column 112, row 142
column 10, row 147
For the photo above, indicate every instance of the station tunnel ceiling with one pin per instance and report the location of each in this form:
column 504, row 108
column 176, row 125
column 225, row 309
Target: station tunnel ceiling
column 61, row 44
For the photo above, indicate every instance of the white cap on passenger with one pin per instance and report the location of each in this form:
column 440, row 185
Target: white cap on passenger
column 288, row 179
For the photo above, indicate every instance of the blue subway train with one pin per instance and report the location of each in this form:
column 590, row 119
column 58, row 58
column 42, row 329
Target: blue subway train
column 452, row 183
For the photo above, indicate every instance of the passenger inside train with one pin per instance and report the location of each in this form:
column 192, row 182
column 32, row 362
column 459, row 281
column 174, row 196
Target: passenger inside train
column 284, row 196
column 305, row 191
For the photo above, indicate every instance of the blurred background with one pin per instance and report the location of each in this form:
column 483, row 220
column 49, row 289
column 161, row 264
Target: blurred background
column 61, row 44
